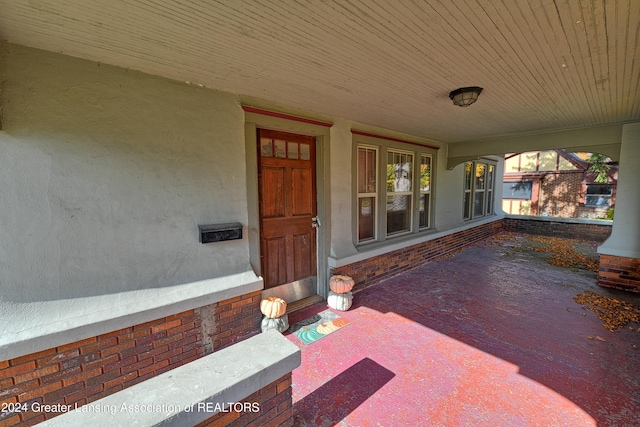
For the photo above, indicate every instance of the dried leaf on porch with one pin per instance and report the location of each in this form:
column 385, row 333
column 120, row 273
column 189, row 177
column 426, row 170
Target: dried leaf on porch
column 563, row 253
column 615, row 314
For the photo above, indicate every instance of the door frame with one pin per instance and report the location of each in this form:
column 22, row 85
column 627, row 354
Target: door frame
column 256, row 118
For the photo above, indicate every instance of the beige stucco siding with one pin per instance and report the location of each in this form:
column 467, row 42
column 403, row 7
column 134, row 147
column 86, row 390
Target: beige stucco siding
column 105, row 174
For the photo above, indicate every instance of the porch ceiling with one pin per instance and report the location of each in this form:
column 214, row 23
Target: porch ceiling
column 544, row 64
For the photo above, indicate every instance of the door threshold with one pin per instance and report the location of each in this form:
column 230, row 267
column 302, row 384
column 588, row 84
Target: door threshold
column 303, row 303
column 294, row 291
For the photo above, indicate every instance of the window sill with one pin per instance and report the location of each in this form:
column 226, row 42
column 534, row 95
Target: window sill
column 395, row 239
column 381, row 248
column 482, row 218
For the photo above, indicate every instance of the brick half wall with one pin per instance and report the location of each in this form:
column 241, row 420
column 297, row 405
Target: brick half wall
column 271, row 406
column 374, row 269
column 575, row 229
column 85, row 371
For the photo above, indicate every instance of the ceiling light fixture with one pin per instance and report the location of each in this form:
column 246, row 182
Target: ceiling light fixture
column 465, row 96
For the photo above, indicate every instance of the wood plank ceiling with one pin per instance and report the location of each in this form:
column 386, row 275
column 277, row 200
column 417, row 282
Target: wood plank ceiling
column 544, row 64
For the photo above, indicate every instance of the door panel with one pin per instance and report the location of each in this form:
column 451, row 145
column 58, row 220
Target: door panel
column 302, row 200
column 303, row 262
column 275, row 263
column 286, row 174
column 273, row 190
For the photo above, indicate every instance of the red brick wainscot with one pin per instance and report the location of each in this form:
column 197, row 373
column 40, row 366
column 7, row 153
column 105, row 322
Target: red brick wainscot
column 378, row 268
column 557, row 227
column 84, row 371
column 275, row 408
column 619, row 273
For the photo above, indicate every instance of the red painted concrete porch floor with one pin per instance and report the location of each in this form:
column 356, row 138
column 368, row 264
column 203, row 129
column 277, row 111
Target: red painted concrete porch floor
column 488, row 337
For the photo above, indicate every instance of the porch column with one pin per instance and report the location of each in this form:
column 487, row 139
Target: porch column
column 620, row 253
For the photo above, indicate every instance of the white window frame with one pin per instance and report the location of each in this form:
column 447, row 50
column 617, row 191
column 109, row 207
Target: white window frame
column 382, row 147
column 364, row 195
column 426, row 192
column 487, row 193
column 408, row 193
column 490, row 190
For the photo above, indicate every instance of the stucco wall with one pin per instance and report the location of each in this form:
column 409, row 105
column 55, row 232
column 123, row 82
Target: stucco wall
column 448, row 201
column 105, row 174
column 341, row 190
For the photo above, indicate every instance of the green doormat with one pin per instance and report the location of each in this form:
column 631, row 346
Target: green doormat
column 318, row 326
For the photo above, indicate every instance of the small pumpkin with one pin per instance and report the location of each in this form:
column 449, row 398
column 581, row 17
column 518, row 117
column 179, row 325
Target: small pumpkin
column 273, row 307
column 340, row 302
column 281, row 323
column 341, row 284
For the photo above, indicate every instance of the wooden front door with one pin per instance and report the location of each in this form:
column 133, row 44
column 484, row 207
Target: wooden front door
column 287, row 187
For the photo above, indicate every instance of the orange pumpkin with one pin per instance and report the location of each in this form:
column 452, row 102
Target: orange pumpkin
column 273, row 307
column 341, row 284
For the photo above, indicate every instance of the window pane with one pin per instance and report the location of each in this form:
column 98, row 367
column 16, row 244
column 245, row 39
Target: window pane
column 490, row 178
column 597, row 200
column 467, row 175
column 424, row 210
column 467, row 205
column 598, row 195
column 517, row 190
column 292, row 150
column 281, row 147
column 366, row 218
column 489, row 202
column 599, row 189
column 478, row 204
column 399, row 175
column 425, row 173
column 366, row 170
column 305, row 152
column 480, row 176
column 398, row 213
column 266, row 149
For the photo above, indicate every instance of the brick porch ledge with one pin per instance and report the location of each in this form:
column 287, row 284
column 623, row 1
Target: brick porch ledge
column 256, row 371
column 33, row 327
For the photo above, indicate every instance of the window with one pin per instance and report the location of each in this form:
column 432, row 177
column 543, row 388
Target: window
column 399, row 180
column 479, row 184
column 425, row 191
column 284, row 149
column 394, row 187
column 468, row 167
column 517, row 190
column 367, row 193
column 598, row 195
column 490, row 184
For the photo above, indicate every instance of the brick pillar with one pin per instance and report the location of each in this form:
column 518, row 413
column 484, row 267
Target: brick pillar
column 619, row 272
